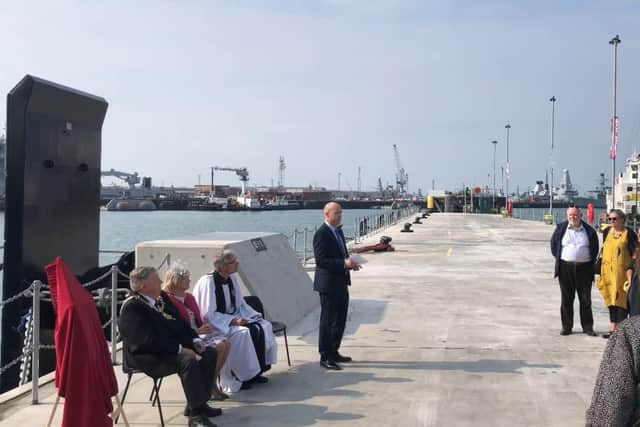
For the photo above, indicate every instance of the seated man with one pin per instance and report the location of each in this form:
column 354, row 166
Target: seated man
column 159, row 342
column 253, row 345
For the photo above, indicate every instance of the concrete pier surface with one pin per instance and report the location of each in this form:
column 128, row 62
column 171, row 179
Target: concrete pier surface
column 458, row 327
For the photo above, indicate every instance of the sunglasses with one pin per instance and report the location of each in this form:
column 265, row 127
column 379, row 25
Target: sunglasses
column 613, row 218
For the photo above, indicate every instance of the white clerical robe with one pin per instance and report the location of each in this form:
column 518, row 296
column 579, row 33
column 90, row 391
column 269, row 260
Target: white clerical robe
column 242, row 363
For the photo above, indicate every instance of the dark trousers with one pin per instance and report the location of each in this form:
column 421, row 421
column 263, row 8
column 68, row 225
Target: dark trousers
column 257, row 337
column 333, row 318
column 197, row 377
column 574, row 278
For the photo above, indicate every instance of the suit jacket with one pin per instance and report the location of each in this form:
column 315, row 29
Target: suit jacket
column 556, row 243
column 331, row 275
column 150, row 338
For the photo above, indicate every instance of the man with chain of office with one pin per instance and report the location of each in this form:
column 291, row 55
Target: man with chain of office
column 159, row 342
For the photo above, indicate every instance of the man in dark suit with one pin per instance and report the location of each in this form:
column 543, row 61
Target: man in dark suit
column 331, row 281
column 574, row 244
column 159, row 342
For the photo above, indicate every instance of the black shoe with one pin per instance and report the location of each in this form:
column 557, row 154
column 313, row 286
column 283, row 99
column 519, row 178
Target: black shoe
column 246, row 385
column 342, row 359
column 606, row 336
column 260, row 379
column 330, row 364
column 219, row 396
column 565, row 332
column 204, row 410
column 200, row 421
column 591, row 333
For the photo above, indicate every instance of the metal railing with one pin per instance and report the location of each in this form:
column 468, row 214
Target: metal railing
column 38, row 292
column 364, row 227
column 371, row 224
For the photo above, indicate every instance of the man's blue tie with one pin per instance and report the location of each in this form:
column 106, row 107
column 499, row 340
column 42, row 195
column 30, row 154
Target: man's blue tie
column 341, row 243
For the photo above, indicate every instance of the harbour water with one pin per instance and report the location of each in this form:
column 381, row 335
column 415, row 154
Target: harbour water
column 121, row 231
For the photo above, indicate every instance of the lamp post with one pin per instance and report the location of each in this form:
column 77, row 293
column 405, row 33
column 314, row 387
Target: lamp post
column 495, row 143
column 506, row 200
column 614, row 120
column 553, row 120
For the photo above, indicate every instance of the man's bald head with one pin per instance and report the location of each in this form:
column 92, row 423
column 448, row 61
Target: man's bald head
column 333, row 213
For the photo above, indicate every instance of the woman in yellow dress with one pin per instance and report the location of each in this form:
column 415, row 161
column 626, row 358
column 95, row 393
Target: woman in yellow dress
column 619, row 243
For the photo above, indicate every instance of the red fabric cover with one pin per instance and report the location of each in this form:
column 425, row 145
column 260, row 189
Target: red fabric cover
column 190, row 303
column 84, row 375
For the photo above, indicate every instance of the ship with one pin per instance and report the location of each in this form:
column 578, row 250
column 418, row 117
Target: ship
column 565, row 195
column 626, row 188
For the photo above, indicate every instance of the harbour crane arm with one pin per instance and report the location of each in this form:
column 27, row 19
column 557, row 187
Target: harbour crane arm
column 243, row 173
column 130, row 178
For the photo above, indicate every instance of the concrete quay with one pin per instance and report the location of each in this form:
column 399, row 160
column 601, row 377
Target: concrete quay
column 458, row 327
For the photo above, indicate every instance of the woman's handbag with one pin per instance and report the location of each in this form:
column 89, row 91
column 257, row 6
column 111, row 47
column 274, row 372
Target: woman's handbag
column 597, row 265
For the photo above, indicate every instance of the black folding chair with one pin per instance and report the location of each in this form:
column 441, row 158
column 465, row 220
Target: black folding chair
column 130, row 370
column 278, row 327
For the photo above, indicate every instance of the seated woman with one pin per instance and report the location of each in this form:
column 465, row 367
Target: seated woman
column 176, row 285
column 253, row 345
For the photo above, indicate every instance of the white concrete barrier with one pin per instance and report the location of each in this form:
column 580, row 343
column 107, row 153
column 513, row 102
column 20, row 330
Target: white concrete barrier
column 268, row 268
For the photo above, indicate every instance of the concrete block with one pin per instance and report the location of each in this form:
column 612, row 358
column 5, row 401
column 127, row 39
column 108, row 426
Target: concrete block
column 269, row 268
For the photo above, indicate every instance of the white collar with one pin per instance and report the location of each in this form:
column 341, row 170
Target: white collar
column 149, row 300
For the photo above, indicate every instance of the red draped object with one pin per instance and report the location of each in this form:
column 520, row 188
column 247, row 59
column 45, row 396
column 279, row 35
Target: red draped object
column 84, row 375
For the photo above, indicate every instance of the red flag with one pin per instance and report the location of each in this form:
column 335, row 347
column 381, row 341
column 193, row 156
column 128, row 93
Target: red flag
column 84, row 375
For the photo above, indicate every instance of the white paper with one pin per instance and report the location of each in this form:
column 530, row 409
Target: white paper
column 358, row 259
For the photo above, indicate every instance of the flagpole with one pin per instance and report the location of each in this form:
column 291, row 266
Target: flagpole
column 614, row 120
column 553, row 119
column 506, row 200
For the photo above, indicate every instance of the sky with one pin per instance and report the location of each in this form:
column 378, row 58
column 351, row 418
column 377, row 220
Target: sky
column 331, row 85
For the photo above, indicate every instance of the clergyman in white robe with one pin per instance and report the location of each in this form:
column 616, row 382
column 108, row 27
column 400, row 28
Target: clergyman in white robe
column 242, row 363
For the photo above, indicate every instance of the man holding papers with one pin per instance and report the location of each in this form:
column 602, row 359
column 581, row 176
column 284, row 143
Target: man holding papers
column 331, row 281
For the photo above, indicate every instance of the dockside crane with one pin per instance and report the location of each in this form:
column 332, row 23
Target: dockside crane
column 402, row 179
column 130, row 178
column 242, row 173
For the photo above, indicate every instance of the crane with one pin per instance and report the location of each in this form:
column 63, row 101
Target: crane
column 242, row 173
column 130, row 178
column 402, row 178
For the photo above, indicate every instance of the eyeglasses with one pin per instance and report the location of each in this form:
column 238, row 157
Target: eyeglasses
column 613, row 218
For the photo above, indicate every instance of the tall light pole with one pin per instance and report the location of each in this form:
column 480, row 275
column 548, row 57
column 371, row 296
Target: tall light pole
column 495, row 143
column 506, row 200
column 553, row 122
column 614, row 120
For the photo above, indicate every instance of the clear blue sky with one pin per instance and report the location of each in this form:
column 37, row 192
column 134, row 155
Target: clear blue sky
column 331, row 85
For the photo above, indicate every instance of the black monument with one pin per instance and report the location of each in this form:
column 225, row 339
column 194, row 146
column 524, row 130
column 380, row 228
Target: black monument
column 52, row 194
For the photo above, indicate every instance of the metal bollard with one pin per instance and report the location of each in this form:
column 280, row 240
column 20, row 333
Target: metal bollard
column 304, row 257
column 114, row 314
column 35, row 345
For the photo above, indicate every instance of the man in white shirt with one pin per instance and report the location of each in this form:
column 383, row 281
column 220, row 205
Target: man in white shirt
column 574, row 244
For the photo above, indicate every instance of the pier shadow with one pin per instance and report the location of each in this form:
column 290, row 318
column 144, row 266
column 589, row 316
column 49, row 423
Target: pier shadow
column 286, row 414
column 310, row 380
column 507, row 366
column 361, row 312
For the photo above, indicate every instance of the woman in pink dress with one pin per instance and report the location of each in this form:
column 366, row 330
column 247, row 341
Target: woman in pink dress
column 176, row 284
